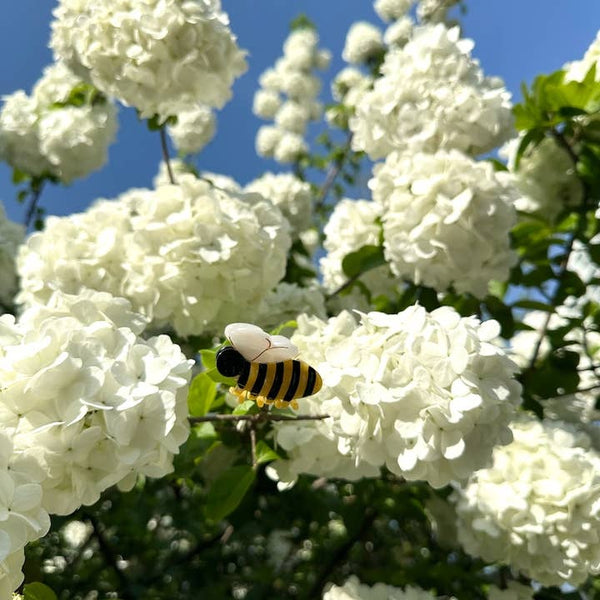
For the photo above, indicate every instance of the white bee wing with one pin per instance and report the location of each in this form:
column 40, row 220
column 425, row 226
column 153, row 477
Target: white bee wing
column 249, row 340
column 281, row 349
column 256, row 345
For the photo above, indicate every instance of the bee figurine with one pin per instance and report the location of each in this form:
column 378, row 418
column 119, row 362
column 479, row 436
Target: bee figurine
column 265, row 366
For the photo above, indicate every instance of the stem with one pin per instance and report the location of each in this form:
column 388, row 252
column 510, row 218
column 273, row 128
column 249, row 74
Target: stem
column 332, row 173
column 560, row 139
column 111, row 559
column 591, row 388
column 35, row 191
column 341, row 553
column 257, row 418
column 344, row 285
column 165, row 153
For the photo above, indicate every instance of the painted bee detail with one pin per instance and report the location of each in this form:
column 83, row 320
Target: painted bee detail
column 265, row 367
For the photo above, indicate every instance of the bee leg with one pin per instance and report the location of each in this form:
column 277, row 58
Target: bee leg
column 268, row 401
column 239, row 393
column 260, row 401
column 294, row 405
column 280, row 403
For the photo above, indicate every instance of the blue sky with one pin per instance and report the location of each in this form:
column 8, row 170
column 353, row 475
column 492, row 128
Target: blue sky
column 514, row 39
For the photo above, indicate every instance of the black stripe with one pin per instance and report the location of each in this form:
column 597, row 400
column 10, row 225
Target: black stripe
column 241, row 382
column 310, row 383
column 277, row 381
column 260, row 379
column 294, row 381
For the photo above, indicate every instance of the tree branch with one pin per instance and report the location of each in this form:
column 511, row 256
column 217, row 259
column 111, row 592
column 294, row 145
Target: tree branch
column 257, row 418
column 35, row 191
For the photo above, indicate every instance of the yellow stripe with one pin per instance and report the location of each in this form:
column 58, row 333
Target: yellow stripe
column 303, row 379
column 269, row 377
column 287, row 376
column 251, row 376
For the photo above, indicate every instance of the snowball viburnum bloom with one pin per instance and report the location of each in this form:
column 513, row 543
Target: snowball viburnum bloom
column 352, row 225
column 446, row 220
column 536, row 507
column 577, row 70
column 160, row 56
column 287, row 301
column 291, row 195
column 428, row 395
column 44, row 134
column 288, row 95
column 546, row 178
column 391, row 10
column 11, row 236
column 88, row 398
column 188, row 256
column 363, row 41
column 353, row 589
column 195, row 127
column 432, row 95
column 22, row 517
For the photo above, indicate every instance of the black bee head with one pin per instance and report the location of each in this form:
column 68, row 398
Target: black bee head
column 229, row 361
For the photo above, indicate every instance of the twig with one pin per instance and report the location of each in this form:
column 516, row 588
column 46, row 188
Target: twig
column 332, row 173
column 165, row 153
column 590, row 388
column 110, row 558
column 340, row 554
column 560, row 138
column 345, row 285
column 257, row 418
column 35, row 191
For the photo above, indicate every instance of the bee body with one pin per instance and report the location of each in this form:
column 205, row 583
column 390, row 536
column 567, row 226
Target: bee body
column 280, row 382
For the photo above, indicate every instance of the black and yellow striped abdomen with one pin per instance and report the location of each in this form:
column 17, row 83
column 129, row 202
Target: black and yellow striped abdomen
column 286, row 380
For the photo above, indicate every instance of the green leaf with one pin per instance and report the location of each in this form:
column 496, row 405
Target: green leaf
column 228, row 490
column 209, row 359
column 363, row 260
column 532, row 138
column 38, row 591
column 264, row 453
column 533, row 305
column 244, row 407
column 292, row 324
column 201, row 395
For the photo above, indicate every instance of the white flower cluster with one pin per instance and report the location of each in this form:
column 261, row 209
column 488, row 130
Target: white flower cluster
column 160, row 56
column 288, row 95
column 346, row 88
column 11, row 236
column 291, row 195
column 287, row 301
column 364, row 41
column 432, row 95
column 353, row 589
column 513, row 591
column 399, row 32
column 577, row 70
column 90, row 400
column 190, row 256
column 392, row 10
column 195, row 127
column 546, row 178
column 537, row 507
column 22, row 517
column 352, row 225
column 446, row 220
column 11, row 576
column 428, row 395
column 434, row 11
column 44, row 134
